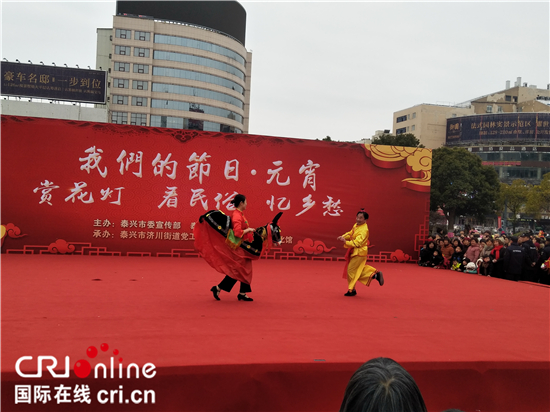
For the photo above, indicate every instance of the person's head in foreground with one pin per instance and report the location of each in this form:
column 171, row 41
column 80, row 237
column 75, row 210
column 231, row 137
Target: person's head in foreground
column 382, row 385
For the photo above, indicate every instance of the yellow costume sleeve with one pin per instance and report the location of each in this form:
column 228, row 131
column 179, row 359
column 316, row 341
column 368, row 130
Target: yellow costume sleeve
column 359, row 240
column 347, row 235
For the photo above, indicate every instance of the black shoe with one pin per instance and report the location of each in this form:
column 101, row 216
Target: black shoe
column 380, row 278
column 215, row 292
column 352, row 293
column 244, row 297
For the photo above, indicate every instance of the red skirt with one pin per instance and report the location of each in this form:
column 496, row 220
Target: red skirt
column 236, row 264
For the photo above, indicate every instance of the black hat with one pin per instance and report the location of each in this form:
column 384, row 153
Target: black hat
column 526, row 234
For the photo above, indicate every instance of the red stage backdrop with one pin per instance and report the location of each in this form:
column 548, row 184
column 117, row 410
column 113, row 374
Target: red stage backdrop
column 100, row 188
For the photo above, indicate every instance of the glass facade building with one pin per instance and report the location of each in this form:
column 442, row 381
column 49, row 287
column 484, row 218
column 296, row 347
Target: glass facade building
column 179, row 74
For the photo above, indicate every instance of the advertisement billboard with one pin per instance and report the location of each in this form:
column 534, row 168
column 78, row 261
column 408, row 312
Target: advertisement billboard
column 505, row 127
column 53, row 82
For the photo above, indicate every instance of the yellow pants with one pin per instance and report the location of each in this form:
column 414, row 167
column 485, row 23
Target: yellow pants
column 359, row 271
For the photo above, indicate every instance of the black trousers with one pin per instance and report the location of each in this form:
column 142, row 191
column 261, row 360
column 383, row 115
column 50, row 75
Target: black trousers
column 227, row 284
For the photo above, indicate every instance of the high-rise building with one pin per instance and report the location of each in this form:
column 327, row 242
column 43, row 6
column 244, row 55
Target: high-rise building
column 179, row 64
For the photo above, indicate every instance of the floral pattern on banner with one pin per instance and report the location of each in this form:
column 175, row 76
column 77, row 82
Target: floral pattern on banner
column 311, row 247
column 10, row 230
column 400, row 256
column 61, row 246
column 417, row 160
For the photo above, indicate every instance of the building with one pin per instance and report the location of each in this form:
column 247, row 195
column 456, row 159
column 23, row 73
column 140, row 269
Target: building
column 179, row 64
column 428, row 122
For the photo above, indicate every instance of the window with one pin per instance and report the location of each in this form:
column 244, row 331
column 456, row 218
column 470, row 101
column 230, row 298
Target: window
column 202, row 77
column 197, row 92
column 182, row 123
column 508, row 98
column 413, row 127
column 414, row 115
column 121, row 83
column 139, row 119
column 401, row 131
column 139, row 52
column 142, row 35
column 198, row 60
column 119, row 117
column 401, row 119
column 190, row 107
column 453, row 115
column 201, row 45
column 122, row 67
column 489, row 109
column 123, row 34
column 141, row 68
column 122, row 50
column 140, row 85
column 120, row 99
column 139, row 101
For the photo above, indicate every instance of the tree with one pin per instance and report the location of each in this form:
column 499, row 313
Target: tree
column 404, row 139
column 538, row 198
column 514, row 196
column 462, row 185
column 327, row 139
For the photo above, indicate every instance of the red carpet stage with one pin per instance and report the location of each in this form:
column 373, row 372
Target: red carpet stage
column 473, row 343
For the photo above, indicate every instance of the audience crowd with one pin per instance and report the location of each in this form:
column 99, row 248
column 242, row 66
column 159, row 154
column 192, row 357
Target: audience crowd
column 525, row 257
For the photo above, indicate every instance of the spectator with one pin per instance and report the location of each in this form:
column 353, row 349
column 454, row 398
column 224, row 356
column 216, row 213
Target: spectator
column 514, row 259
column 489, row 244
column 426, row 254
column 529, row 272
column 544, row 273
column 497, row 256
column 437, row 260
column 447, row 252
column 382, row 385
column 465, row 244
column 471, row 268
column 486, row 267
column 473, row 252
column 457, row 259
column 456, row 242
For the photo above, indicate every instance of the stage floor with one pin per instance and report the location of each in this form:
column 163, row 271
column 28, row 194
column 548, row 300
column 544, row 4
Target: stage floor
column 470, row 342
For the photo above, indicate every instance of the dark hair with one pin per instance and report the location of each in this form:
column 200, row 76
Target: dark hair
column 365, row 214
column 382, row 385
column 238, row 199
column 514, row 239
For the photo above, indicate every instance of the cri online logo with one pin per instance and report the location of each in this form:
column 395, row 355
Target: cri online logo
column 82, row 367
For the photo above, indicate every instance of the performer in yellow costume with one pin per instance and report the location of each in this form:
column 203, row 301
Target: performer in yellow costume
column 357, row 243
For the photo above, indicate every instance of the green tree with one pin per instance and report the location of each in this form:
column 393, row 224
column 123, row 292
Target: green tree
column 327, row 139
column 538, row 198
column 515, row 197
column 462, row 185
column 404, row 139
